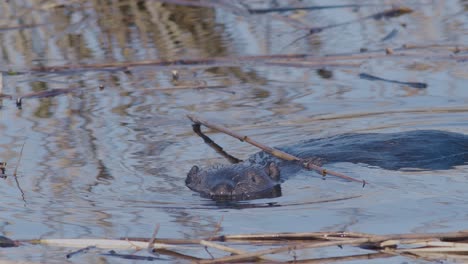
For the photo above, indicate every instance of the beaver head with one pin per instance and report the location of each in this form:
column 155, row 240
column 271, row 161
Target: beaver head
column 236, row 182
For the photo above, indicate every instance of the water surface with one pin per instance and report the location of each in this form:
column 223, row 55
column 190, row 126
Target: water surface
column 111, row 163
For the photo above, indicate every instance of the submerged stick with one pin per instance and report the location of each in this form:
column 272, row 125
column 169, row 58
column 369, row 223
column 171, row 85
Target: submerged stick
column 272, row 151
column 370, row 77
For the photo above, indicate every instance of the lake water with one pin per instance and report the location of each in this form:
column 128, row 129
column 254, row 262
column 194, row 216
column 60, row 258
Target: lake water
column 110, row 163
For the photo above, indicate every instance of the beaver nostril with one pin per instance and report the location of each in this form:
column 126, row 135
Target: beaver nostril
column 223, row 189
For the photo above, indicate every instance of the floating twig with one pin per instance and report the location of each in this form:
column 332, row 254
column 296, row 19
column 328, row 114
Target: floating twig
column 394, row 12
column 152, row 241
column 112, row 253
column 43, row 94
column 20, row 27
column 16, row 176
column 272, row 151
column 369, row 77
column 182, row 87
column 309, row 8
column 80, row 251
column 390, row 35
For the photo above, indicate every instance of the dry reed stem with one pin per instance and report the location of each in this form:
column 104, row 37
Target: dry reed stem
column 385, row 240
column 355, row 241
column 227, row 249
column 428, row 245
column 103, row 244
column 343, row 235
column 182, row 87
column 343, row 258
column 286, row 60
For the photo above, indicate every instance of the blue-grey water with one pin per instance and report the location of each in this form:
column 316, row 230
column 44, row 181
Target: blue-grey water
column 111, row 163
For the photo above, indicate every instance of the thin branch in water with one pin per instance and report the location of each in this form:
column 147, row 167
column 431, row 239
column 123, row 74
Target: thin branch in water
column 183, row 87
column 272, row 151
column 152, row 240
column 19, row 27
column 15, row 173
column 112, row 253
column 369, row 77
column 43, row 94
column 288, row 9
column 80, row 251
column 207, row 251
column 218, row 225
column 52, row 93
column 213, row 145
column 394, row 12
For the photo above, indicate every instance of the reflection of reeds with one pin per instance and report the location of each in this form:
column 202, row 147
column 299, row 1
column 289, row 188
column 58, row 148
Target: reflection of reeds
column 83, row 32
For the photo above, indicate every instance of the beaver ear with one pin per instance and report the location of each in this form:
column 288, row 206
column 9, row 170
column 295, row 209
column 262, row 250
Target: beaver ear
column 194, row 170
column 192, row 175
column 273, row 171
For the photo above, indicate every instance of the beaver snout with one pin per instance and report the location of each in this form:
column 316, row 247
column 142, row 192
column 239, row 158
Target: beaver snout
column 223, row 189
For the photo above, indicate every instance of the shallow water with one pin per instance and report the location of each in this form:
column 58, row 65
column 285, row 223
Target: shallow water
column 111, row 163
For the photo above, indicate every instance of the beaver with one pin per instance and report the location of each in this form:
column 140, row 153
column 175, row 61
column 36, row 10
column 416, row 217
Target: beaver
column 259, row 175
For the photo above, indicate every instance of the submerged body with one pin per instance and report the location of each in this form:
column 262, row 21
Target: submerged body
column 259, row 176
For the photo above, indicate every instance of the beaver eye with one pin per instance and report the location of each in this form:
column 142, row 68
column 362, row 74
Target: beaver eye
column 252, row 178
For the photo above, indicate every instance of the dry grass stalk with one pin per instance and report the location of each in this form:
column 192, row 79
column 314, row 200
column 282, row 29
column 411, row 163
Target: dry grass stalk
column 103, row 244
